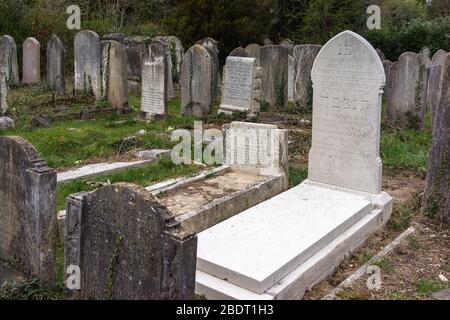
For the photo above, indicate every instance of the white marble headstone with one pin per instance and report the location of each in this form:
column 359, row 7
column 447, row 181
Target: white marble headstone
column 348, row 80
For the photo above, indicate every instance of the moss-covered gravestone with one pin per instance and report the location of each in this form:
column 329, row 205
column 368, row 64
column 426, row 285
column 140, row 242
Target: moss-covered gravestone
column 126, row 246
column 437, row 193
column 28, row 211
column 8, row 58
column 274, row 62
column 55, row 65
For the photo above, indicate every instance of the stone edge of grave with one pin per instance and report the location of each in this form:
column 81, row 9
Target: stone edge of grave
column 347, row 283
column 159, row 154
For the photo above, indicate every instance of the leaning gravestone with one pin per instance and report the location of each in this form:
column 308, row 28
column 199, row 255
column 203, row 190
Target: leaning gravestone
column 304, row 56
column 211, row 46
column 87, row 63
column 437, row 192
column 3, row 91
column 408, row 86
column 241, row 86
column 274, row 62
column 439, row 58
column 31, row 61
column 154, row 82
column 28, row 211
column 239, row 52
column 115, row 84
column 55, row 65
column 253, row 50
column 195, row 82
column 8, row 58
column 127, row 247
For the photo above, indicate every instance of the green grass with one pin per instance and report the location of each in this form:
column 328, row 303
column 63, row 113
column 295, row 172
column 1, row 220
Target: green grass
column 425, row 286
column 405, row 149
column 385, row 265
column 297, row 175
column 143, row 176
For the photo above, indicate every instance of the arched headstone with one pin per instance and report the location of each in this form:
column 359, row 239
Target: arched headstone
column 115, row 73
column 195, row 81
column 87, row 63
column 28, row 211
column 8, row 58
column 288, row 44
column 253, row 50
column 55, row 65
column 239, row 52
column 31, row 61
column 348, row 80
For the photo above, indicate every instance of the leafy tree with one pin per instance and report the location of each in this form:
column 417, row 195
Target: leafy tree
column 439, row 8
column 289, row 15
column 397, row 12
column 231, row 22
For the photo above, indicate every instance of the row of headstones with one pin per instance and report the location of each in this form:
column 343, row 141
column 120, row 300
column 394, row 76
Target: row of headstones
column 119, row 241
column 413, row 87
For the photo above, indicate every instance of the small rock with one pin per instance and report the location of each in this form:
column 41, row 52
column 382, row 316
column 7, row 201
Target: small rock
column 73, row 129
column 443, row 278
column 40, row 122
column 142, row 132
column 6, row 123
column 154, row 154
column 441, row 295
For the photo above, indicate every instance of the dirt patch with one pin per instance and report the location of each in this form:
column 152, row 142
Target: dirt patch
column 197, row 194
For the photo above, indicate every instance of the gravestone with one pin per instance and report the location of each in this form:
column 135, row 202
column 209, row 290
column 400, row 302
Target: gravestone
column 28, row 210
column 426, row 52
column 437, row 196
column 387, row 66
column 119, row 37
column 267, row 42
column 154, row 82
column 127, row 247
column 290, row 78
column 171, row 73
column 87, row 63
column 241, row 86
column 348, row 80
column 3, row 91
column 135, row 47
column 114, row 65
column 31, row 61
column 195, row 82
column 176, row 53
column 288, row 44
column 408, row 90
column 211, row 46
column 8, row 58
column 434, row 86
column 55, row 65
column 239, row 52
column 304, row 56
column 274, row 63
column 381, row 55
column 253, row 50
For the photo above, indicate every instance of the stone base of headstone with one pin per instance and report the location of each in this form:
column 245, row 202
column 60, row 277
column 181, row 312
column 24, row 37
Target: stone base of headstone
column 145, row 116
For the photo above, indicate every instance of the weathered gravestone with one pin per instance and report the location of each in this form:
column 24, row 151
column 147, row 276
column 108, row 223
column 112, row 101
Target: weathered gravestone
column 175, row 55
column 348, row 79
column 434, row 86
column 381, row 55
column 241, row 86
column 31, row 61
column 3, row 91
column 87, row 63
column 119, row 37
column 437, row 192
column 8, row 58
column 281, row 247
column 114, row 65
column 211, row 46
column 195, row 81
column 154, row 82
column 253, row 50
column 290, row 78
column 388, row 67
column 127, row 247
column 304, row 56
column 28, row 210
column 288, row 44
column 55, row 65
column 135, row 48
column 239, row 52
column 426, row 52
column 407, row 103
column 274, row 61
column 165, row 44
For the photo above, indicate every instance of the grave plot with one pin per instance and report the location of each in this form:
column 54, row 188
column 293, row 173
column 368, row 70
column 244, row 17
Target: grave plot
column 248, row 177
column 283, row 246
